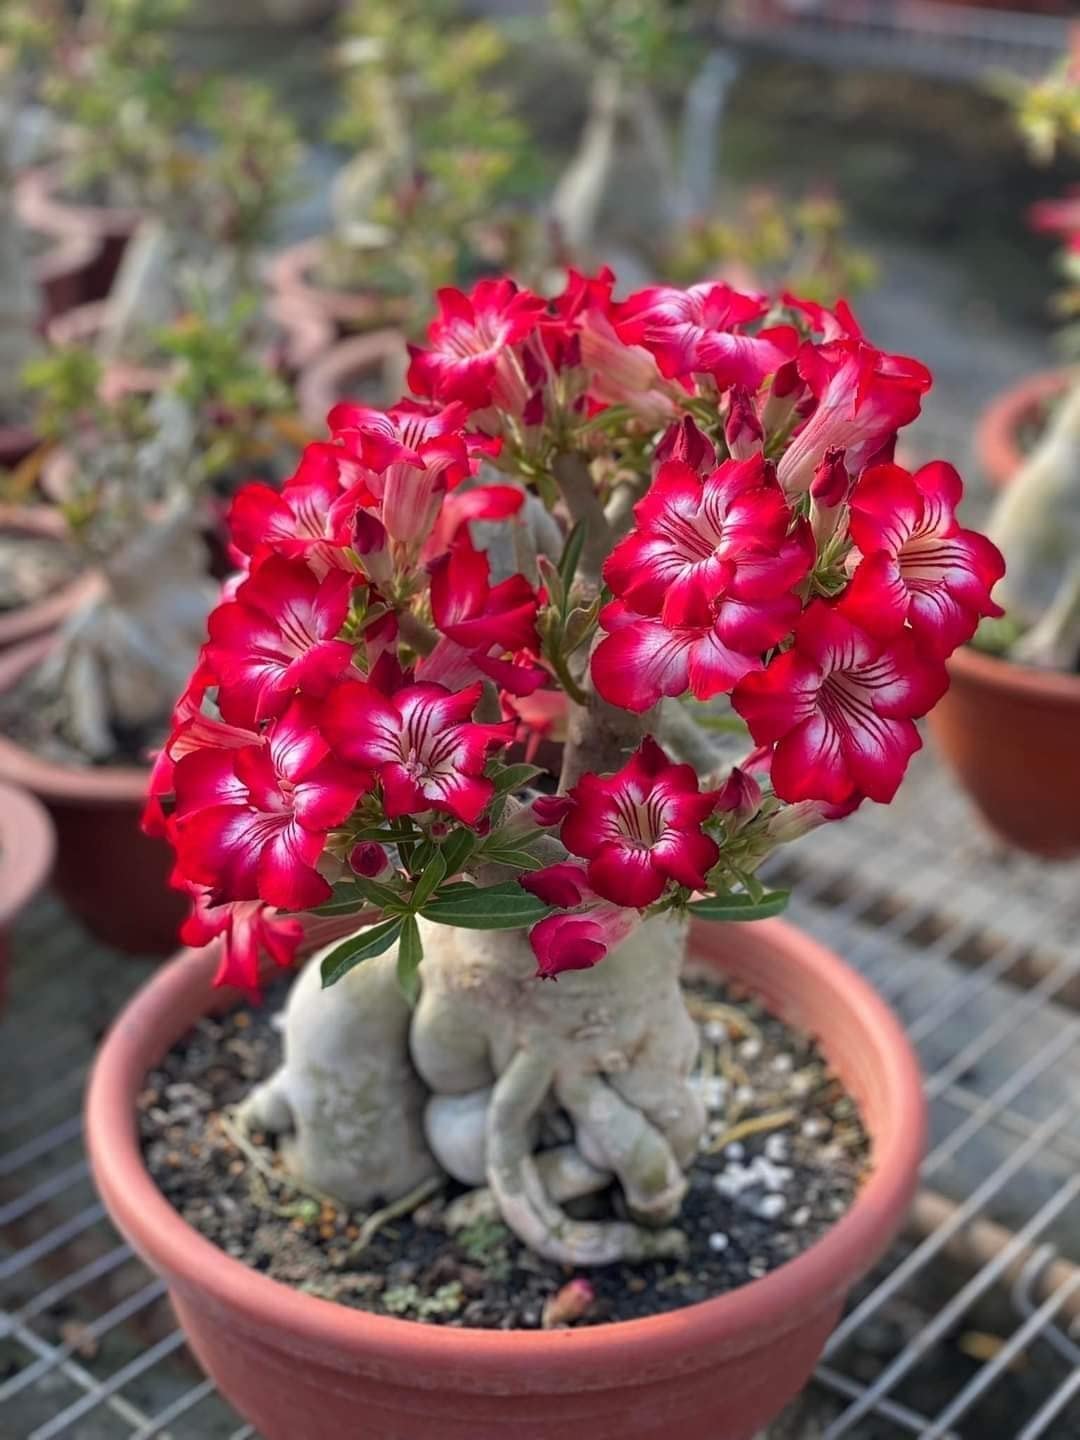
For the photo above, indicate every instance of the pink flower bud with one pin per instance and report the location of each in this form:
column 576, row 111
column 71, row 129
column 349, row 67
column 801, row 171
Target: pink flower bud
column 684, row 441
column 742, row 429
column 829, row 486
column 439, row 829
column 369, row 542
column 739, row 796
column 369, row 859
column 568, row 1304
column 548, row 810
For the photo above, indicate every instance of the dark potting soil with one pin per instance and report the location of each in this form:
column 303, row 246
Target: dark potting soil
column 783, row 1158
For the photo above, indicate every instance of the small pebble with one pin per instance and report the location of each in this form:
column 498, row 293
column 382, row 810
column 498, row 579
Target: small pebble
column 783, row 1064
column 815, row 1127
column 718, row 1242
column 745, row 1095
column 735, row 1151
column 776, row 1147
column 771, row 1207
column 801, row 1216
column 716, row 1032
column 750, row 1049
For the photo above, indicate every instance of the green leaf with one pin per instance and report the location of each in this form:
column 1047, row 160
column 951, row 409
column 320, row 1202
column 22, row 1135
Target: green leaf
column 433, row 876
column 571, row 555
column 510, row 855
column 386, row 835
column 459, row 845
column 514, row 777
column 369, row 942
column 740, row 907
column 493, row 907
column 346, row 898
column 379, row 894
column 410, row 953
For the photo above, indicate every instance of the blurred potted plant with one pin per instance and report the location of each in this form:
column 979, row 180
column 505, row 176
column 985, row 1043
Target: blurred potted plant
column 1049, row 117
column 83, row 706
column 715, row 464
column 436, row 148
column 1016, row 690
column 27, row 845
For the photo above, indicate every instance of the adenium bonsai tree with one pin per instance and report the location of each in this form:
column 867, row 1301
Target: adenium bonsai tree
column 736, row 537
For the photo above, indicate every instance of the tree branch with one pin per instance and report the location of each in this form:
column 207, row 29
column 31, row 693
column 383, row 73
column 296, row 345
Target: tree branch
column 578, row 491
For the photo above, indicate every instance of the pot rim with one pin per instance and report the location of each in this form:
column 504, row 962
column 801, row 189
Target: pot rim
column 475, row 1359
column 50, row 779
column 995, row 440
column 1024, row 682
column 343, row 359
column 25, row 863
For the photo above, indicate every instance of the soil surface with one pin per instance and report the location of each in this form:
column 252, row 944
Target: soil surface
column 32, row 568
column 783, row 1159
column 37, row 718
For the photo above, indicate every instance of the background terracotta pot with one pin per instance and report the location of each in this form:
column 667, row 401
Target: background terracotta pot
column 27, row 847
column 999, row 433
column 1012, row 734
column 65, row 272
column 25, row 621
column 299, row 1366
column 104, row 229
column 291, row 275
column 113, row 876
column 358, row 368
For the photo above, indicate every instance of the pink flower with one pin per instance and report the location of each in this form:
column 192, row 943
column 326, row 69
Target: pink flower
column 278, row 636
column 700, row 330
column 640, row 828
column 421, row 744
column 471, row 356
column 248, row 930
column 918, row 564
column 684, row 441
column 310, row 518
column 475, row 614
column 584, row 928
column 711, row 564
column 840, row 707
column 478, row 502
column 408, row 457
column 369, row 858
column 251, row 823
column 863, row 397
column 618, row 372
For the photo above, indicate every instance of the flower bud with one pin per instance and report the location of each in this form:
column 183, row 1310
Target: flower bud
column 739, row 796
column 684, row 441
column 742, row 429
column 568, row 1304
column 828, row 491
column 548, row 810
column 369, row 859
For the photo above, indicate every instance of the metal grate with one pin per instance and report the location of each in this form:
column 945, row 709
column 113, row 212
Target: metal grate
column 963, row 1333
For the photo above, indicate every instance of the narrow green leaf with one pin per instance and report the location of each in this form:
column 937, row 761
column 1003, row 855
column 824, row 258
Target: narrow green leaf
column 571, row 555
column 514, row 777
column 457, row 848
column 740, row 907
column 493, row 907
column 433, row 876
column 410, row 953
column 346, row 898
column 386, row 835
column 379, row 894
column 364, row 946
column 511, row 855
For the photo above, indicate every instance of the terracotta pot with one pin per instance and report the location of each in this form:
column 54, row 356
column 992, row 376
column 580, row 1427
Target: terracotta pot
column 290, row 274
column 999, row 429
column 40, row 206
column 345, row 367
column 305, row 333
column 302, row 1368
column 1010, row 732
column 65, row 272
column 112, row 876
column 25, row 621
column 16, row 443
column 27, row 846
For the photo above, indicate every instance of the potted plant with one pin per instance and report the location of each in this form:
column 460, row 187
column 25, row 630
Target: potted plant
column 1016, row 690
column 419, row 204
column 82, row 705
column 507, row 1011
column 1010, row 427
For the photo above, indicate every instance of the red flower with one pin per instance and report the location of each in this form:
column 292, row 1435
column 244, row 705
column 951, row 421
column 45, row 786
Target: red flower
column 248, row 929
column 278, row 636
column 426, row 753
column 252, row 823
column 840, row 707
column 310, row 518
column 471, row 357
column 408, row 457
column 863, row 397
column 712, row 565
column 585, row 927
column 475, row 614
column 684, row 441
column 699, row 330
column 918, row 564
column 640, row 828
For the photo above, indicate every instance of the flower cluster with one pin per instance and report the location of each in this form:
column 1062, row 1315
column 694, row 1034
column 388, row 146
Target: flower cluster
column 698, row 500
